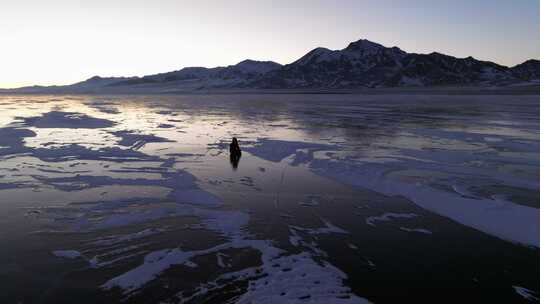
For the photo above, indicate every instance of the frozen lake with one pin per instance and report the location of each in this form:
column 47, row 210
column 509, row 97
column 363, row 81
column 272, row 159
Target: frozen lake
column 336, row 199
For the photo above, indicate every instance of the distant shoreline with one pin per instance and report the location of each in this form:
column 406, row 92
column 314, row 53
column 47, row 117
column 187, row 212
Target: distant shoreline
column 529, row 90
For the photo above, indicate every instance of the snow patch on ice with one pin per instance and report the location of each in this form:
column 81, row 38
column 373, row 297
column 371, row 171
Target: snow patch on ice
column 135, row 140
column 526, row 293
column 158, row 261
column 299, row 279
column 277, row 150
column 386, row 217
column 506, row 220
column 327, row 229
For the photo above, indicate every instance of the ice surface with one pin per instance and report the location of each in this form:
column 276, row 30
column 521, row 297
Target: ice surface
column 420, row 230
column 221, row 260
column 116, row 239
column 506, row 220
column 68, row 254
column 327, row 229
column 141, row 187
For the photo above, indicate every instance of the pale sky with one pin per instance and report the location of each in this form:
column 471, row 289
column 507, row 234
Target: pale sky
column 64, row 41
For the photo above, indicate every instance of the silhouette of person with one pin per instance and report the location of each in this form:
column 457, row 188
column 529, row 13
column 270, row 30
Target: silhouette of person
column 235, row 153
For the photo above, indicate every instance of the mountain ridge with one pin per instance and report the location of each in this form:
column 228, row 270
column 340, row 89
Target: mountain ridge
column 362, row 64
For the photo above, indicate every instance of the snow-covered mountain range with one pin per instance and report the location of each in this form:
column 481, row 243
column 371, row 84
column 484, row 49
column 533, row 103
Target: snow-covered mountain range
column 362, row 64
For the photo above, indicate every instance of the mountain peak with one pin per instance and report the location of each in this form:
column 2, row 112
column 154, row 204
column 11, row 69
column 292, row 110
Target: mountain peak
column 94, row 78
column 364, row 44
column 259, row 67
column 528, row 70
column 531, row 62
column 250, row 62
column 313, row 56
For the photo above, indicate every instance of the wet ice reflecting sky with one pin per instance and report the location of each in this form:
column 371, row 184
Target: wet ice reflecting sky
column 125, row 195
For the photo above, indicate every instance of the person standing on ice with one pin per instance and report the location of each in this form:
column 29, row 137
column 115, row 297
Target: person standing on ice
column 235, row 153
